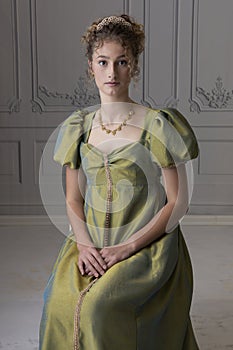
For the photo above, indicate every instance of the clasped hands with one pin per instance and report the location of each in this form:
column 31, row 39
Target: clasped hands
column 95, row 262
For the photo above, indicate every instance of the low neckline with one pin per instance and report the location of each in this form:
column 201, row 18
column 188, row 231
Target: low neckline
column 120, row 148
column 116, row 150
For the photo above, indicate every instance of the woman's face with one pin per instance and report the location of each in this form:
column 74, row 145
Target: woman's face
column 110, row 66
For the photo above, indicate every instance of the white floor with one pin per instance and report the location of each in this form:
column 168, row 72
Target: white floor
column 28, row 252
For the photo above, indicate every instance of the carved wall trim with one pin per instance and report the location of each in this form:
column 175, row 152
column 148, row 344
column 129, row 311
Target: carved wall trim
column 11, row 174
column 210, row 177
column 200, row 99
column 172, row 100
column 13, row 105
column 80, row 97
column 126, row 6
column 46, row 100
column 218, row 97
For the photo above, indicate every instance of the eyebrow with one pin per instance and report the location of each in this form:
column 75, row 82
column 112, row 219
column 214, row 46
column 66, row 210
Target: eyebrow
column 102, row 56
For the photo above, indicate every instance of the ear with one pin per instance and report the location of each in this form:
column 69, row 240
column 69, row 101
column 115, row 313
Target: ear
column 90, row 70
column 90, row 64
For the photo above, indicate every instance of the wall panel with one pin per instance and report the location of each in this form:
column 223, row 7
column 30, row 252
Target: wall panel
column 9, row 53
column 187, row 64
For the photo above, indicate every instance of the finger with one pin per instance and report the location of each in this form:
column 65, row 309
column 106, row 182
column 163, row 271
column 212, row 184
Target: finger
column 88, row 272
column 81, row 267
column 103, row 252
column 111, row 263
column 84, row 269
column 100, row 260
column 96, row 266
column 92, row 266
column 106, row 256
column 91, row 270
column 106, row 260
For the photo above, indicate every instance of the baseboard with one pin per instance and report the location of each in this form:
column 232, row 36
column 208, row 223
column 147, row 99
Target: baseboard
column 208, row 220
column 27, row 220
column 41, row 220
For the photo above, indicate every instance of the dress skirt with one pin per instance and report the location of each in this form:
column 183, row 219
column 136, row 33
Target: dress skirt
column 141, row 303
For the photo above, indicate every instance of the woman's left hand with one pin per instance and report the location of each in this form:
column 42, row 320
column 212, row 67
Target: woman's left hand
column 117, row 253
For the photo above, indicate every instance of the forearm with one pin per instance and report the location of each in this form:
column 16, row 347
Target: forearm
column 161, row 223
column 77, row 221
column 168, row 217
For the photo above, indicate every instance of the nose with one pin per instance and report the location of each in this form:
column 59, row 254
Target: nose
column 112, row 71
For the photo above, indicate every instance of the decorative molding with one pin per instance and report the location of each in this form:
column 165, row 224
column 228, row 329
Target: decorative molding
column 218, row 143
column 145, row 103
column 11, row 172
column 126, row 6
column 202, row 100
column 28, row 220
column 219, row 97
column 13, row 105
column 80, row 97
column 171, row 101
column 43, row 220
column 45, row 100
column 15, row 343
column 194, row 106
column 36, row 106
column 207, row 220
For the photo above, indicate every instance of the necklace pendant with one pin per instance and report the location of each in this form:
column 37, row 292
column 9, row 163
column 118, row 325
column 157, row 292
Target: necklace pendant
column 119, row 128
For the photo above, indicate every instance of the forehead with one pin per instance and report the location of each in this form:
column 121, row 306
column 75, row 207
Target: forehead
column 110, row 49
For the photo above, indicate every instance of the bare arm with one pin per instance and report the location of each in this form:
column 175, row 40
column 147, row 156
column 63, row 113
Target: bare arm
column 90, row 260
column 167, row 218
column 74, row 204
column 175, row 181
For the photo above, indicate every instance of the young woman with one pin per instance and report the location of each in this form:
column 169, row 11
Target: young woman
column 123, row 278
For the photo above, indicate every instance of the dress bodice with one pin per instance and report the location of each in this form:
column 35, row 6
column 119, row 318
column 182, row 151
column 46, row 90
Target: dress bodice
column 123, row 190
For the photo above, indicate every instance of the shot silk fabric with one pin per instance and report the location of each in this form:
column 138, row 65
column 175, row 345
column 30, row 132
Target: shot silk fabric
column 143, row 302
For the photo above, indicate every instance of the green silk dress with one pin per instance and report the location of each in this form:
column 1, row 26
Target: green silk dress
column 142, row 302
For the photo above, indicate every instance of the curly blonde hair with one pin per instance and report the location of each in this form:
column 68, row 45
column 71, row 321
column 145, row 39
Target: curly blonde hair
column 123, row 29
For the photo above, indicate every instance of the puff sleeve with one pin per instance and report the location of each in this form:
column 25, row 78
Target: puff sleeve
column 66, row 150
column 172, row 139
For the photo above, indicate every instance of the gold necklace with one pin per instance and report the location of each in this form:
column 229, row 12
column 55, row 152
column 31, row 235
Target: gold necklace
column 119, row 128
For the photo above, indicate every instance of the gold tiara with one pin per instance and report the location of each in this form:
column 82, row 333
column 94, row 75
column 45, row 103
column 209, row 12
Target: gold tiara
column 112, row 20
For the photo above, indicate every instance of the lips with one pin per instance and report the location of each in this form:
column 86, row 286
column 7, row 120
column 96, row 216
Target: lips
column 112, row 83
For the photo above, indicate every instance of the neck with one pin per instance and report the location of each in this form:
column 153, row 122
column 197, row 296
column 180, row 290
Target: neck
column 124, row 97
column 115, row 111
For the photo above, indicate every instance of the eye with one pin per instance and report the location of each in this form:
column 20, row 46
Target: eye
column 102, row 63
column 122, row 63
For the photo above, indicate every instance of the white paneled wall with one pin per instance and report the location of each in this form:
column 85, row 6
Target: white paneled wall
column 187, row 64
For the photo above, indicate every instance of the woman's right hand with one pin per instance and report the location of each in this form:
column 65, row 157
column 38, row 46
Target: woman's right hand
column 90, row 262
